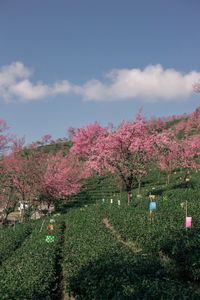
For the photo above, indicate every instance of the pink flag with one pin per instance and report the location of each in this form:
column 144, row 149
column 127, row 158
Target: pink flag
column 188, row 222
column 119, row 202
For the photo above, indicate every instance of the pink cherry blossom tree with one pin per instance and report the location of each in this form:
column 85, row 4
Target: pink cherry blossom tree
column 167, row 151
column 65, row 174
column 125, row 153
column 193, row 123
column 190, row 153
column 173, row 152
column 85, row 137
column 22, row 172
column 7, row 196
column 157, row 124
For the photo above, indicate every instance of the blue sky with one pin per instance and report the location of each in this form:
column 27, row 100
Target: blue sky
column 71, row 62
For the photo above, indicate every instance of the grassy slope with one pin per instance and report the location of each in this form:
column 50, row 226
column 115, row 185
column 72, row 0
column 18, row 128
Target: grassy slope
column 132, row 257
column 100, row 264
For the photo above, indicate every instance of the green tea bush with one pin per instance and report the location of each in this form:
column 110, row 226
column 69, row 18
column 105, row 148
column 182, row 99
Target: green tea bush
column 12, row 238
column 185, row 250
column 99, row 266
column 30, row 272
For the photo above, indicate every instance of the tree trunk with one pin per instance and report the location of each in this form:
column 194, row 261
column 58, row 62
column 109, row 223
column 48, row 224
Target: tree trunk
column 121, row 187
column 168, row 175
column 159, row 176
column 24, row 213
column 129, row 197
column 128, row 189
column 186, row 173
column 139, row 187
column 139, row 184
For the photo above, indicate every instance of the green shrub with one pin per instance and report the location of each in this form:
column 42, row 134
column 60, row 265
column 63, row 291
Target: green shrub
column 12, row 238
column 99, row 266
column 30, row 272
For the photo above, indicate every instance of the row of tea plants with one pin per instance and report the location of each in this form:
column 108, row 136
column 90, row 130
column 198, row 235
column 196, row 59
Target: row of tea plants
column 165, row 233
column 30, row 272
column 98, row 265
column 12, row 238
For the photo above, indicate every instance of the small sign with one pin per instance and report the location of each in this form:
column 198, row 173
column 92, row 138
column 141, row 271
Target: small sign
column 152, row 205
column 188, row 222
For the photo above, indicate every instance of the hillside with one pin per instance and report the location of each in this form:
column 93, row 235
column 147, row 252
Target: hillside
column 119, row 252
column 106, row 251
column 103, row 241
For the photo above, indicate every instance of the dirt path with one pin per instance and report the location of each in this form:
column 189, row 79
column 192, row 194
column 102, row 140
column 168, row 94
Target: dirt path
column 129, row 244
column 164, row 258
column 66, row 297
column 58, row 285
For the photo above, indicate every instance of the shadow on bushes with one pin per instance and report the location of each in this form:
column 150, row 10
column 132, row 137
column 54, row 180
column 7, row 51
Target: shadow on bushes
column 184, row 249
column 120, row 277
column 184, row 185
column 77, row 201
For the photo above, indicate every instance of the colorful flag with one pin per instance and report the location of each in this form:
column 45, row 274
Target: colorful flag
column 50, row 239
column 152, row 205
column 188, row 221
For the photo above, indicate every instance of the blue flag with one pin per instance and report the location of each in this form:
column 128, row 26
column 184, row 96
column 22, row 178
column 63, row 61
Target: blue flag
column 152, row 205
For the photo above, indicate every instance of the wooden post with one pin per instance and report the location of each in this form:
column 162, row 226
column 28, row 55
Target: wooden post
column 186, row 208
column 42, row 226
column 151, row 213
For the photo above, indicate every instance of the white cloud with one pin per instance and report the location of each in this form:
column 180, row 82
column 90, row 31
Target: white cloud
column 151, row 84
column 92, row 90
column 26, row 91
column 9, row 76
column 15, row 83
column 62, row 87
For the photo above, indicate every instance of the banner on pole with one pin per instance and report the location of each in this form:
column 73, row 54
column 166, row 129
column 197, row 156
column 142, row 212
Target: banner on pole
column 152, row 205
column 188, row 222
column 50, row 239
